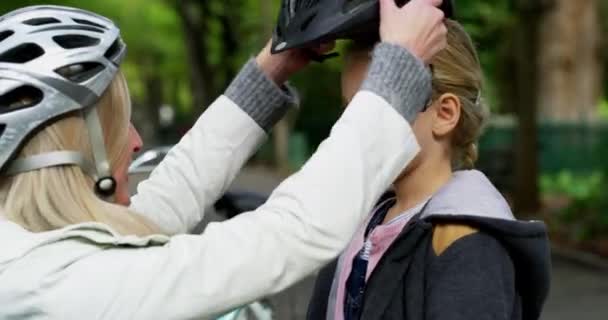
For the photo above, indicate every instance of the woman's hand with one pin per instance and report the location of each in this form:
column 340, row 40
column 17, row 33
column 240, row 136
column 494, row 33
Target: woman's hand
column 279, row 67
column 418, row 26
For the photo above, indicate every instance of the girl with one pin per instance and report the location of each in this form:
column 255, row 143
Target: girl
column 444, row 244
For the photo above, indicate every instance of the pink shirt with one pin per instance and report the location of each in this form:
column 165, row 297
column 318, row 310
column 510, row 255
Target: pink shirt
column 378, row 241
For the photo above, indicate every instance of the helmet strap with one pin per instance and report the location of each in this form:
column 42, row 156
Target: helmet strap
column 46, row 160
column 105, row 184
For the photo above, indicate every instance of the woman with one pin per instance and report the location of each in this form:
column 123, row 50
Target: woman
column 66, row 141
column 444, row 244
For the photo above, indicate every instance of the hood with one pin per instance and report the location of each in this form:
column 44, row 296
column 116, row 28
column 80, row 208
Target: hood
column 469, row 193
column 469, row 197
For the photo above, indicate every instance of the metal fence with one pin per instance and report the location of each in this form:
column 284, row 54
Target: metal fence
column 581, row 148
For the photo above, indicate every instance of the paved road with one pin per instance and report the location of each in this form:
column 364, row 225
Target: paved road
column 578, row 292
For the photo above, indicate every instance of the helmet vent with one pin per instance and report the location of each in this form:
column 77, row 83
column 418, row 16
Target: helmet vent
column 89, row 23
column 2, row 127
column 80, row 72
column 278, row 32
column 306, row 4
column 71, row 27
column 40, row 21
column 21, row 54
column 351, row 5
column 113, row 50
column 5, row 34
column 307, row 22
column 20, row 98
column 73, row 41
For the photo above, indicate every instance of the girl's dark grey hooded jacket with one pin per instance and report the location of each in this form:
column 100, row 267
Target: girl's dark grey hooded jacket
column 463, row 257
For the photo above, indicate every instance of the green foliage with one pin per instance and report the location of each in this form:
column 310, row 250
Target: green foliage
column 153, row 30
column 489, row 23
column 153, row 34
column 603, row 12
column 586, row 216
column 603, row 109
column 577, row 187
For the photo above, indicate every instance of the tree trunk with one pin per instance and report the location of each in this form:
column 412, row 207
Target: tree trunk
column 281, row 130
column 193, row 15
column 147, row 122
column 527, row 52
column 571, row 62
column 230, row 42
column 210, row 79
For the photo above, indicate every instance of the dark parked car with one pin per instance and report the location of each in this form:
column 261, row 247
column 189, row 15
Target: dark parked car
column 231, row 204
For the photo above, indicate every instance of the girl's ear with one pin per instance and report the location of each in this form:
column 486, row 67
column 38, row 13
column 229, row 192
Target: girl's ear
column 447, row 114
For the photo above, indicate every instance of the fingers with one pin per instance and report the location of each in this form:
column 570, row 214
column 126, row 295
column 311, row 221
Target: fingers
column 418, row 26
column 435, row 3
column 325, row 47
column 387, row 6
column 440, row 42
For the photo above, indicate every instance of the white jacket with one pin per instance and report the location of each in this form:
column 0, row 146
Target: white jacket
column 88, row 271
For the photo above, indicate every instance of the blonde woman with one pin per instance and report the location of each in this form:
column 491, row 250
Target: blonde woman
column 69, row 250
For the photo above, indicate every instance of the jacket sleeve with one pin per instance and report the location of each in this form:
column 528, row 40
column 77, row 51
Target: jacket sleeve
column 472, row 279
column 306, row 222
column 199, row 169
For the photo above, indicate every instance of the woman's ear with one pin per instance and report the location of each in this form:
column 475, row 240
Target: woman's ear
column 447, row 114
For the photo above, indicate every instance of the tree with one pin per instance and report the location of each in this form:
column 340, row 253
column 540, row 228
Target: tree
column 530, row 14
column 211, row 29
column 603, row 10
column 280, row 133
column 193, row 15
column 154, row 59
column 571, row 61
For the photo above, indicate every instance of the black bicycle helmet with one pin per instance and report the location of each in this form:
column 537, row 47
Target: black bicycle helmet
column 303, row 23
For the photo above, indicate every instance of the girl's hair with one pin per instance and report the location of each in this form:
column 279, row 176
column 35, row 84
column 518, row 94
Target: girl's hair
column 456, row 70
column 55, row 197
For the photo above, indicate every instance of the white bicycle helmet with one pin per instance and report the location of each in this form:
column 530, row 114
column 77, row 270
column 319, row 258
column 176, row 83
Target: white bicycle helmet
column 55, row 60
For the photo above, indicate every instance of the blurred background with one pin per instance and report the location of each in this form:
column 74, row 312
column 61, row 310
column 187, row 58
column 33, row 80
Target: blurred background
column 546, row 148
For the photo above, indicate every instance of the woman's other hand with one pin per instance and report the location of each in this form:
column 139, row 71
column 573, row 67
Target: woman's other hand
column 280, row 67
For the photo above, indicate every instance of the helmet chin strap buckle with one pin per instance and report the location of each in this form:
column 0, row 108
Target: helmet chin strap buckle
column 320, row 58
column 105, row 186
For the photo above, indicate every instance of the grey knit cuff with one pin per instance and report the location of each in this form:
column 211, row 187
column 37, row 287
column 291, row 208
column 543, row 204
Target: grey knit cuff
column 260, row 97
column 399, row 77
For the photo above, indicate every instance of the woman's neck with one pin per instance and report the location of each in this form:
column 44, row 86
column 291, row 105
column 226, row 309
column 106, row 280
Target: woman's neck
column 418, row 185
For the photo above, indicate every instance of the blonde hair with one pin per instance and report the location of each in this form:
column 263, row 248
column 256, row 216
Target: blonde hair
column 457, row 70
column 55, row 197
